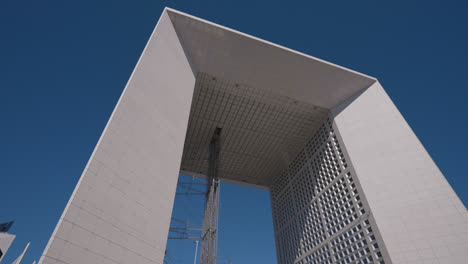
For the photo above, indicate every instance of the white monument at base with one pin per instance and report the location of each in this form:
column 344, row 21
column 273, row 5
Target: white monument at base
column 349, row 180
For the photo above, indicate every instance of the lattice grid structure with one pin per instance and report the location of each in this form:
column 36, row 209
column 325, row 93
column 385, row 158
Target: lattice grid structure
column 262, row 131
column 318, row 212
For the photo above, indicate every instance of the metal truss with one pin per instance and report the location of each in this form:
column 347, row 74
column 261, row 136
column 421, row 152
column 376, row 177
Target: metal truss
column 210, row 219
column 209, row 232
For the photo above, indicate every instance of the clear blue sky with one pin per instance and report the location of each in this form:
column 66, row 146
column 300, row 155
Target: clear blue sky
column 63, row 65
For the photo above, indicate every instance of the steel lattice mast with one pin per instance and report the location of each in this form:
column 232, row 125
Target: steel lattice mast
column 210, row 218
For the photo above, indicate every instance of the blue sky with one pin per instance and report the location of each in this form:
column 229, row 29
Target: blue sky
column 63, row 65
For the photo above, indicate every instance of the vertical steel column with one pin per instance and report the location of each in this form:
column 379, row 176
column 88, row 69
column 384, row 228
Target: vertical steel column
column 210, row 218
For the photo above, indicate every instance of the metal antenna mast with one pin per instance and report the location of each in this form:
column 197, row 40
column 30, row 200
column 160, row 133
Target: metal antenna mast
column 210, row 218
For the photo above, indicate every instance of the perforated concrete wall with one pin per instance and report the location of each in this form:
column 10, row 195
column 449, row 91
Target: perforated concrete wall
column 418, row 214
column 327, row 204
column 319, row 213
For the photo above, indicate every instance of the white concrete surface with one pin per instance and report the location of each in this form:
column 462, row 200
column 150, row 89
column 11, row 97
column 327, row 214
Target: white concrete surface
column 121, row 208
column 233, row 55
column 5, row 242
column 419, row 216
column 319, row 210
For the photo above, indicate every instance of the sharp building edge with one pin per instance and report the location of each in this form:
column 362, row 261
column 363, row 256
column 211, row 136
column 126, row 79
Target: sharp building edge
column 349, row 180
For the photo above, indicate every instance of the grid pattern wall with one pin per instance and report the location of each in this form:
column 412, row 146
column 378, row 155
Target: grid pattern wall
column 318, row 213
column 259, row 129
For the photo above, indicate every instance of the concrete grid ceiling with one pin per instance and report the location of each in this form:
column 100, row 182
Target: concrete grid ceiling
column 349, row 180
